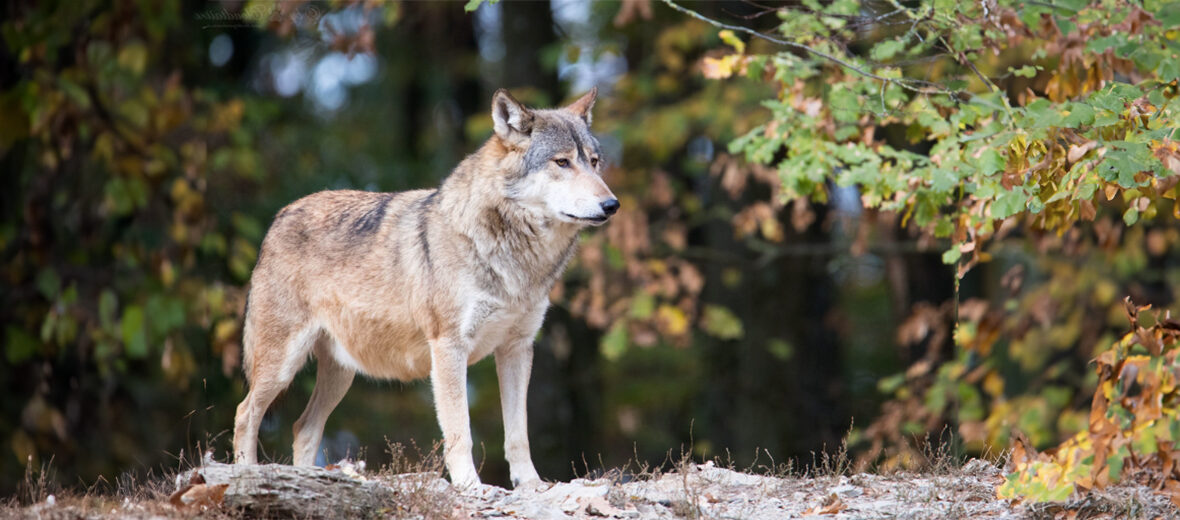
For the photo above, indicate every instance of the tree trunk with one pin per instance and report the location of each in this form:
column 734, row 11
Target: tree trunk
column 276, row 490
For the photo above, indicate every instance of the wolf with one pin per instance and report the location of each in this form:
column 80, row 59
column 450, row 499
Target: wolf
column 426, row 282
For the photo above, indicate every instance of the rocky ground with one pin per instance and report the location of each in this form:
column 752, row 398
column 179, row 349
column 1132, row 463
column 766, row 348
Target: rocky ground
column 692, row 491
column 707, row 491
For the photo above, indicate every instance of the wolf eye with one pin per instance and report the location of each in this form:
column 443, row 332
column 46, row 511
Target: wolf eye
column 594, row 162
column 564, row 163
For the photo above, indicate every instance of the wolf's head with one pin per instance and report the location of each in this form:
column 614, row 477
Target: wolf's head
column 561, row 166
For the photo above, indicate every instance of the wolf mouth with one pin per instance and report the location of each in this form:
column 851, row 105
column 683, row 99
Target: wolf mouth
column 596, row 220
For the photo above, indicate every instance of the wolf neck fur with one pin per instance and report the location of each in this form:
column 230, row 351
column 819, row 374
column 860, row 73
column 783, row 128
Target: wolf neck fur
column 513, row 240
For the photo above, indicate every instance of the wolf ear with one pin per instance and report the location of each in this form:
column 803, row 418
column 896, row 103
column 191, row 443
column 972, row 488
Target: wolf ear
column 582, row 106
column 509, row 116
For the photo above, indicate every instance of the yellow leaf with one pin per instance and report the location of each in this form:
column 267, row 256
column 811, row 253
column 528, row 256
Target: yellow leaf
column 993, row 384
column 133, row 57
column 717, row 68
column 225, row 330
column 672, row 320
column 1110, row 190
column 732, row 40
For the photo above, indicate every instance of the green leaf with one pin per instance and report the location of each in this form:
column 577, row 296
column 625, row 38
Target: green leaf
column 1099, row 45
column 19, row 345
column 135, row 112
column 107, row 306
column 991, row 161
column 943, row 180
column 133, row 58
column 1106, row 118
column 167, row 315
column 887, row 385
column 247, row 226
column 1026, row 71
column 614, row 342
column 1080, row 114
column 1124, row 160
column 952, row 255
column 1131, row 216
column 643, row 304
column 944, row 227
column 1115, row 461
column 48, row 284
column 1009, row 203
column 721, row 323
column 887, row 49
column 781, row 349
column 845, row 105
column 76, row 93
column 1042, row 114
column 472, row 5
column 134, row 334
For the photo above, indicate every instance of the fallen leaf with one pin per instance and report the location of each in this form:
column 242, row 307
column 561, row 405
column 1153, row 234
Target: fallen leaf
column 830, row 506
column 174, row 499
column 204, row 495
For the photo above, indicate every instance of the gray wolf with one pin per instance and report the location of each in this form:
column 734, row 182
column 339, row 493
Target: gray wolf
column 426, row 282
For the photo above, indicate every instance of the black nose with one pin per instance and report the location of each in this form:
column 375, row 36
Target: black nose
column 610, row 206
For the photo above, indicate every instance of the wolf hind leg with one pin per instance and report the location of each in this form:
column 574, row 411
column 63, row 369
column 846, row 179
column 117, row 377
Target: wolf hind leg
column 332, row 381
column 276, row 358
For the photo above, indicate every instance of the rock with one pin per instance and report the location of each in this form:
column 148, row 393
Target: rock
column 726, row 477
column 570, row 497
column 847, row 491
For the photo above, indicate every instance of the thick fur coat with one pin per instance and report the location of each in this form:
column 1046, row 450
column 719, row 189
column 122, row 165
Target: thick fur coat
column 426, row 282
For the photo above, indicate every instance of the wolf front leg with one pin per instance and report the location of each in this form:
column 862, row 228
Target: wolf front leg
column 448, row 377
column 514, row 363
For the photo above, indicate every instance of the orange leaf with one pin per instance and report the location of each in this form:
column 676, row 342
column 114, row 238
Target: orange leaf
column 830, row 506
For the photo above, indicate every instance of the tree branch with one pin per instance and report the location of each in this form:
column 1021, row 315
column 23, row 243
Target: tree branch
column 913, row 85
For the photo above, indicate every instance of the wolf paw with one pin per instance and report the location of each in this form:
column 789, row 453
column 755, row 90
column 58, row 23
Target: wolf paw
column 465, row 479
column 535, row 485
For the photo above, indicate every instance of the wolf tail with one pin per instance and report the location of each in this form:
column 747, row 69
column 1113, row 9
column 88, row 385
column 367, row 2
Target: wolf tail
column 247, row 340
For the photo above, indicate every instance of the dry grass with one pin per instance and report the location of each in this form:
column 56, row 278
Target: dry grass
column 416, row 475
column 131, row 495
column 945, row 487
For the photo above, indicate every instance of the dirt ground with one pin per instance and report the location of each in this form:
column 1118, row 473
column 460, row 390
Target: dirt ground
column 692, row 491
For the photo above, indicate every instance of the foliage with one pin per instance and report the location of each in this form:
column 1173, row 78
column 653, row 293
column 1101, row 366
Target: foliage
column 137, row 187
column 891, row 137
column 640, row 286
column 1133, row 424
column 130, row 243
column 1049, row 128
column 130, row 261
column 1085, row 111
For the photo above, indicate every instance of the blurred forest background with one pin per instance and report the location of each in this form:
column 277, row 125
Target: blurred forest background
column 796, row 244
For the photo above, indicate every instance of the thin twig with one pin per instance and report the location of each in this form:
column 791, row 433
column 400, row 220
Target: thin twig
column 962, row 58
column 913, row 85
column 855, row 20
column 1050, row 4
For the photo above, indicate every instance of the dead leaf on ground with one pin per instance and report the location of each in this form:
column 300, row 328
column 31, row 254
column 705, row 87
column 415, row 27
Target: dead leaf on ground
column 174, row 499
column 198, row 495
column 830, row 506
column 204, row 496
